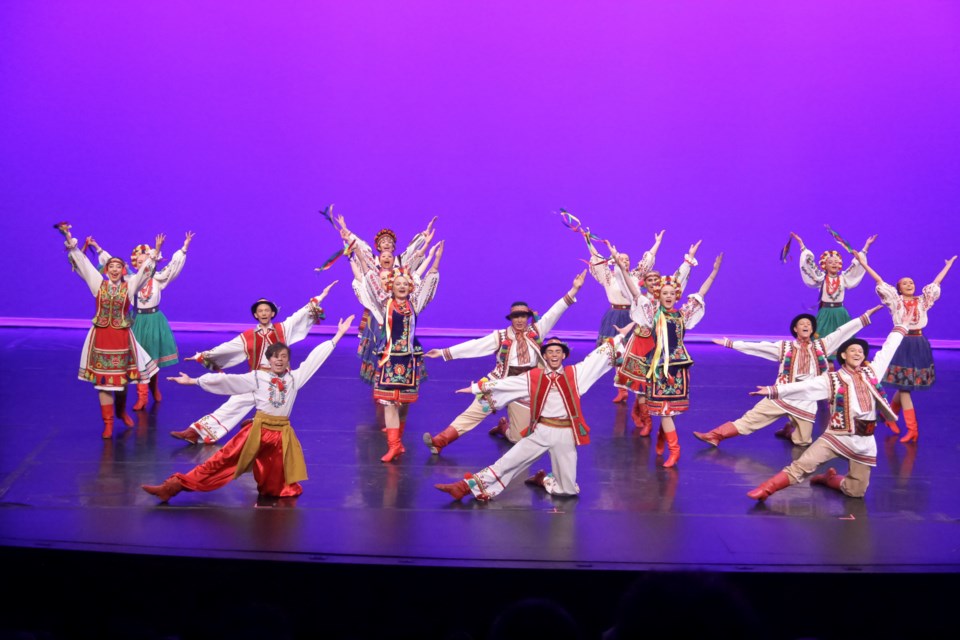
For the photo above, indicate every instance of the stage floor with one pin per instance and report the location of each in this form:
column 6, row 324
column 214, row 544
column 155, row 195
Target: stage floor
column 63, row 487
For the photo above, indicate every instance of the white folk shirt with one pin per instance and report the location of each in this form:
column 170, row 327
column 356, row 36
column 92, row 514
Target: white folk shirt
column 94, row 278
column 148, row 295
column 375, row 299
column 266, row 393
column 914, row 315
column 851, row 446
column 815, row 277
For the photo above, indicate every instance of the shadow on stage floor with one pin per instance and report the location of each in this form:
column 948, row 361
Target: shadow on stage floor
column 373, row 550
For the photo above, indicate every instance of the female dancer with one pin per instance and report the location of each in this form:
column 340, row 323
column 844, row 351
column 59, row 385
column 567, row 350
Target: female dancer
column 666, row 369
column 400, row 356
column 832, row 281
column 150, row 326
column 111, row 356
column 912, row 366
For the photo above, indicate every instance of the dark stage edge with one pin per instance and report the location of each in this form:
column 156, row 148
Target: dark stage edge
column 75, row 527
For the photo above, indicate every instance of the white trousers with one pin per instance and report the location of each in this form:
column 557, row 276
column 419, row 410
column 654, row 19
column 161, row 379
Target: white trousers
column 214, row 426
column 562, row 480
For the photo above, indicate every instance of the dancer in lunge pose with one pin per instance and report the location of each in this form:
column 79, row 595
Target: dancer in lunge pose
column 912, row 366
column 856, row 400
column 557, row 423
column 400, row 356
column 802, row 358
column 832, row 280
column 150, row 325
column 518, row 351
column 249, row 347
column 667, row 368
column 111, row 357
column 266, row 445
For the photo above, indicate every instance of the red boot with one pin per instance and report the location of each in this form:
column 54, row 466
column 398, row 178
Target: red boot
column 636, row 412
column 718, row 435
column 501, row 429
column 910, row 417
column 120, row 402
column 621, row 395
column 155, row 388
column 106, row 410
column 785, row 432
column 394, row 448
column 457, row 489
column 770, row 487
column 442, row 439
column 646, row 422
column 143, row 395
column 170, row 487
column 187, row 434
column 830, row 479
column 403, row 427
column 661, row 442
column 536, row 480
column 895, row 405
column 673, row 442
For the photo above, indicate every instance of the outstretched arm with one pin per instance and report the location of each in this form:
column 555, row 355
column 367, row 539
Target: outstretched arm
column 944, row 271
column 705, row 287
column 631, row 285
column 657, row 239
column 867, row 267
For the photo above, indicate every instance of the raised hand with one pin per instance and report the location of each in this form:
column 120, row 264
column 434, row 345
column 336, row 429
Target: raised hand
column 343, row 325
column 161, row 238
column 694, row 247
column 869, row 242
column 182, row 379
column 798, row 239
column 433, row 353
column 578, row 281
column 624, row 330
column 93, row 243
column 187, row 240
column 324, row 293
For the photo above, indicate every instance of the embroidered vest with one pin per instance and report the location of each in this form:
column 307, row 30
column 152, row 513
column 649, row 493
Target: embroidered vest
column 255, row 344
column 841, row 418
column 787, row 372
column 503, row 353
column 112, row 307
column 567, row 385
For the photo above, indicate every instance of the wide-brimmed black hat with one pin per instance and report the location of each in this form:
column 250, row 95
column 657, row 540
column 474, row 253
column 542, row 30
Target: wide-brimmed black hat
column 793, row 323
column 519, row 309
column 852, row 341
column 555, row 342
column 253, row 307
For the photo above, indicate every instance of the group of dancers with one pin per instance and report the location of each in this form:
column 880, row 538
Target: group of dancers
column 641, row 336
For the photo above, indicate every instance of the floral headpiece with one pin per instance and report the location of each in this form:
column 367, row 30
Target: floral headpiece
column 673, row 282
column 395, row 273
column 829, row 254
column 384, row 233
column 140, row 248
column 123, row 265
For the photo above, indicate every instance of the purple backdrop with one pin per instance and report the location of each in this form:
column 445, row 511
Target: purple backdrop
column 731, row 122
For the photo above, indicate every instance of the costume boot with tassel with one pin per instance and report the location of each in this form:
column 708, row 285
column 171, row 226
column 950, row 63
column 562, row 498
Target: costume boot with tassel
column 718, row 435
column 442, row 439
column 394, row 447
column 770, row 487
column 106, row 410
column 673, row 443
column 830, row 479
column 457, row 489
column 143, row 395
column 910, row 418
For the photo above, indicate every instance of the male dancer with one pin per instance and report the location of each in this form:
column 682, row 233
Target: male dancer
column 518, row 351
column 250, row 347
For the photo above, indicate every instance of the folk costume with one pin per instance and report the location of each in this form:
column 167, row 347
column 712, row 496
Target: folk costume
column 248, row 348
column 857, row 401
column 150, row 325
column 516, row 354
column 266, row 445
column 799, row 360
column 831, row 314
column 557, row 424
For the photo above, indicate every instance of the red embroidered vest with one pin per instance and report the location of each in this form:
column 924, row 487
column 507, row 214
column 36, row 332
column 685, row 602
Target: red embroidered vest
column 112, row 307
column 256, row 343
column 567, row 385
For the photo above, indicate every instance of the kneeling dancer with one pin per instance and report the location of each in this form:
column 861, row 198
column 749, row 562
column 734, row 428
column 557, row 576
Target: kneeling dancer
column 266, row 445
column 557, row 424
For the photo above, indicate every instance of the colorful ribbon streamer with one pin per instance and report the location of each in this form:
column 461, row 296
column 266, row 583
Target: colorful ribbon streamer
column 785, row 252
column 839, row 238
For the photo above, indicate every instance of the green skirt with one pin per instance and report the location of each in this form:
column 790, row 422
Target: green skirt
column 831, row 319
column 153, row 333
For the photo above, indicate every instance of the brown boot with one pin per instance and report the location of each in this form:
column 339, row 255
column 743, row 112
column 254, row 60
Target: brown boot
column 910, row 418
column 457, row 489
column 106, row 411
column 170, row 487
column 120, row 404
column 673, row 442
column 718, row 435
column 770, row 487
column 445, row 437
column 830, row 479
column 785, row 432
column 394, row 448
column 187, row 434
column 143, row 395
column 501, row 429
column 536, row 479
column 621, row 395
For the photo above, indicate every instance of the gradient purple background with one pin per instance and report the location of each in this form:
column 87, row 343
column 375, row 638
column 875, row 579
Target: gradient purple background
column 731, row 122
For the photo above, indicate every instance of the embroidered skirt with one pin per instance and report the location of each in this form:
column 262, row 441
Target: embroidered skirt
column 632, row 373
column 669, row 395
column 366, row 350
column 112, row 359
column 153, row 333
column 830, row 319
column 911, row 368
column 397, row 381
column 612, row 318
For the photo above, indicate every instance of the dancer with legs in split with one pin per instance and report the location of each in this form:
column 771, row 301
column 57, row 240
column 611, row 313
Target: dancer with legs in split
column 111, row 357
column 667, row 368
column 912, row 366
column 150, row 325
column 266, row 445
column 249, row 347
column 517, row 350
column 557, row 424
